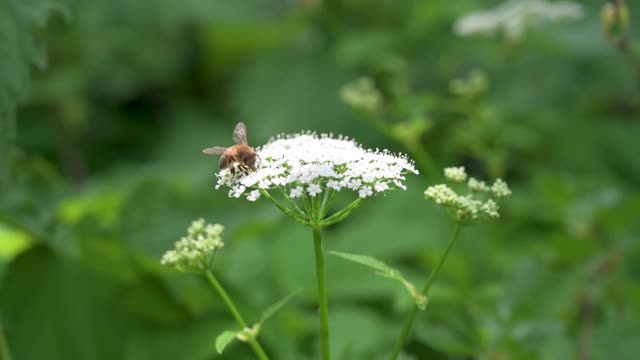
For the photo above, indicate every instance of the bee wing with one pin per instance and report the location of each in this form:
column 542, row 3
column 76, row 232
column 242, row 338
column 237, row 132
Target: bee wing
column 216, row 150
column 240, row 134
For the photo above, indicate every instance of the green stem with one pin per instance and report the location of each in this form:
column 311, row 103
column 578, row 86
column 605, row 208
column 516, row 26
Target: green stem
column 342, row 214
column 301, row 213
column 307, row 205
column 4, row 346
column 5, row 145
column 283, row 208
column 315, row 208
column 322, row 294
column 327, row 200
column 406, row 329
column 236, row 314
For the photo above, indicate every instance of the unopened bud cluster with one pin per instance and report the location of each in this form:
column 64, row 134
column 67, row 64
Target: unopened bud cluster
column 614, row 19
column 196, row 250
column 474, row 85
column 476, row 203
column 362, row 94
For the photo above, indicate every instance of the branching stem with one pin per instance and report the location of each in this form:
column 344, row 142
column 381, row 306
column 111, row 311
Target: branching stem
column 236, row 314
column 406, row 329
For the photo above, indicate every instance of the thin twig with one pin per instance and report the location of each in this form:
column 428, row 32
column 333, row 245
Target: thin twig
column 587, row 304
column 623, row 42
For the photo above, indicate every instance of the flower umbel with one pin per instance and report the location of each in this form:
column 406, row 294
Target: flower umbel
column 304, row 173
column 456, row 174
column 474, row 205
column 307, row 170
column 196, row 250
column 513, row 17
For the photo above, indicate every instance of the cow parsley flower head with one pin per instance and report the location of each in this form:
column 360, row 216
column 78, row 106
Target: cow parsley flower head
column 457, row 174
column 307, row 170
column 196, row 250
column 513, row 17
column 475, row 204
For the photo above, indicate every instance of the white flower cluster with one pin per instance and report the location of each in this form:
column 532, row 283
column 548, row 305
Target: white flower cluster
column 514, row 16
column 196, row 250
column 308, row 165
column 457, row 174
column 468, row 207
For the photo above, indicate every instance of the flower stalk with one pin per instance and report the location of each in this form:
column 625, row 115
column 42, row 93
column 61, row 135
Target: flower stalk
column 257, row 349
column 4, row 346
column 406, row 329
column 322, row 293
column 196, row 252
column 302, row 174
column 477, row 204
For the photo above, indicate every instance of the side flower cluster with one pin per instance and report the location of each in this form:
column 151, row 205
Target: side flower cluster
column 362, row 94
column 196, row 250
column 513, row 17
column 307, row 165
column 475, row 204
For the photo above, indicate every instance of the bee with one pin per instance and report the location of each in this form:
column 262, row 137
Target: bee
column 239, row 157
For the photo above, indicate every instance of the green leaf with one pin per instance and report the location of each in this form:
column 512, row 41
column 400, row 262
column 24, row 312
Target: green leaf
column 224, row 339
column 368, row 261
column 387, row 271
column 277, row 306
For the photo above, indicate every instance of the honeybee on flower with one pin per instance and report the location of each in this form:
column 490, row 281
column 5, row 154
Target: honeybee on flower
column 310, row 165
column 239, row 157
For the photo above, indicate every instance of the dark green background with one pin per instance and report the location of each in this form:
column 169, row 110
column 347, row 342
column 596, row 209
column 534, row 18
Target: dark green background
column 106, row 173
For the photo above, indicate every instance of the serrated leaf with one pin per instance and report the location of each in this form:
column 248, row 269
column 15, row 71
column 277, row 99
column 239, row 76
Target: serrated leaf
column 387, row 271
column 268, row 312
column 224, row 339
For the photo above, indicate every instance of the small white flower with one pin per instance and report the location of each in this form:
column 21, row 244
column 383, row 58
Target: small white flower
column 441, row 194
column 500, row 188
column 468, row 207
column 314, row 189
column 477, row 186
column 196, row 250
column 296, row 192
column 379, row 187
column 368, row 178
column 254, row 195
column 213, row 230
column 457, row 174
column 335, row 185
column 490, row 208
column 365, row 192
column 264, row 183
column 236, row 192
column 354, row 184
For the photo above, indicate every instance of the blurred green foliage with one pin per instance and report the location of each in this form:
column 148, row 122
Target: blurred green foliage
column 106, row 173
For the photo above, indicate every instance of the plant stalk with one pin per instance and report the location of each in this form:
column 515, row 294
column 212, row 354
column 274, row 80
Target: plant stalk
column 4, row 346
column 236, row 314
column 322, row 294
column 406, row 329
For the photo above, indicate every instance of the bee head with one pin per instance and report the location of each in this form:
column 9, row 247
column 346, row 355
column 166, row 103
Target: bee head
column 251, row 159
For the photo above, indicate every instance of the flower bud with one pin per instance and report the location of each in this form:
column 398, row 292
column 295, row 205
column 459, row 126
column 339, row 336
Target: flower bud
column 362, row 94
column 614, row 19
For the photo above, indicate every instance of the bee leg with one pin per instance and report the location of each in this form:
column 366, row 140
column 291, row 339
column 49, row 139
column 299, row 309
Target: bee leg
column 244, row 169
column 224, row 162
